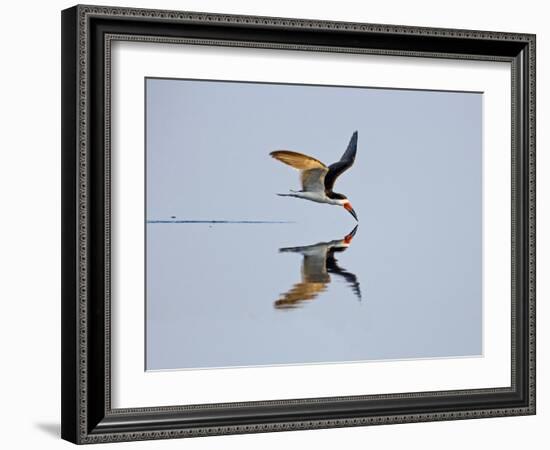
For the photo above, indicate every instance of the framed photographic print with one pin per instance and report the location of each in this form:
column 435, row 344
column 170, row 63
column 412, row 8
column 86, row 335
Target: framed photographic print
column 281, row 224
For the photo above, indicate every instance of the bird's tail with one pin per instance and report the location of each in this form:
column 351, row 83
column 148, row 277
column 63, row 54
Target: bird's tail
column 292, row 194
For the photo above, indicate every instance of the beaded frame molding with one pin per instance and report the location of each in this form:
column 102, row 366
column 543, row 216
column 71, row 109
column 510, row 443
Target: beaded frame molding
column 87, row 34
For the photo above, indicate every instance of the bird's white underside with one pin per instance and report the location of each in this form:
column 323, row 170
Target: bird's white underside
column 319, row 197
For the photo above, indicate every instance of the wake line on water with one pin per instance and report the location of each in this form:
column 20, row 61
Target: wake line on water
column 222, row 221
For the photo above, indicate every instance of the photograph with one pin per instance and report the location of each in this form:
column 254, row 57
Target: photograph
column 303, row 224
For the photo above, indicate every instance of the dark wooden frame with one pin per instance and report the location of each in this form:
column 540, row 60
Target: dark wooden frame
column 87, row 32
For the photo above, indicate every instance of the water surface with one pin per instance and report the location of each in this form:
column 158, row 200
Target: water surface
column 233, row 294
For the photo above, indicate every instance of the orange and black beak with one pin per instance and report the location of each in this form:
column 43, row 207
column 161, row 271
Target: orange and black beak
column 351, row 211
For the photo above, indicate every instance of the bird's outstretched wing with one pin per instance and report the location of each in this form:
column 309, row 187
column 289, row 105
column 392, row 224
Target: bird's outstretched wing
column 346, row 161
column 300, row 293
column 297, row 160
column 312, row 170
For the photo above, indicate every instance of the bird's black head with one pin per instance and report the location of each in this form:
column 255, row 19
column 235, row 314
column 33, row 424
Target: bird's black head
column 344, row 201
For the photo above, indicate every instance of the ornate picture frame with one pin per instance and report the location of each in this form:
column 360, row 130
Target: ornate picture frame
column 88, row 415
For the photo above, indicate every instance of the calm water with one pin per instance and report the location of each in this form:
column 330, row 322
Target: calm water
column 244, row 294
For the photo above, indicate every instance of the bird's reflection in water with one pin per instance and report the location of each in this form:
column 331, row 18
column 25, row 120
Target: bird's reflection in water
column 318, row 264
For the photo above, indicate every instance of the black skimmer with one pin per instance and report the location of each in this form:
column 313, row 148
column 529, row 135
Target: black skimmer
column 317, row 265
column 318, row 179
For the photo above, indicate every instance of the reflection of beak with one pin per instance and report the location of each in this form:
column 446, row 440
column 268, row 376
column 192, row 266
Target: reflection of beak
column 349, row 237
column 351, row 211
